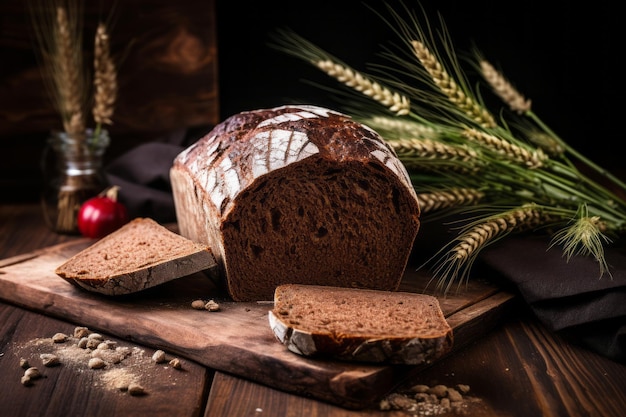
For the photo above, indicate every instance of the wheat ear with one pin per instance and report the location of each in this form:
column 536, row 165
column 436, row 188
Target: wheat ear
column 397, row 103
column 452, row 156
column 401, row 127
column 457, row 263
column 546, row 142
column 105, row 78
column 453, row 197
column 450, row 88
column 532, row 159
column 67, row 74
column 504, row 89
column 427, row 148
column 584, row 237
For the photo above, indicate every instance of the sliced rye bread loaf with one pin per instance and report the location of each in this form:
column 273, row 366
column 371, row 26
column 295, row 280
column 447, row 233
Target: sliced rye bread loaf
column 297, row 194
column 360, row 325
column 139, row 255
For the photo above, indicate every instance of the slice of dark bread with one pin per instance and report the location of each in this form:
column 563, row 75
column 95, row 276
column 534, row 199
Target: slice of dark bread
column 360, row 325
column 139, row 255
column 297, row 194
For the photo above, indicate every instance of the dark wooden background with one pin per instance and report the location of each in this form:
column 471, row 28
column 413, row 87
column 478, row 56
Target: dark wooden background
column 191, row 63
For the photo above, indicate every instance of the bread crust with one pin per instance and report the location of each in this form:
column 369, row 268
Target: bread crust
column 297, row 194
column 147, row 277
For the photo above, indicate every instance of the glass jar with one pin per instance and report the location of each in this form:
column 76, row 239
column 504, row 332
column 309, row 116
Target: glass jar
column 72, row 174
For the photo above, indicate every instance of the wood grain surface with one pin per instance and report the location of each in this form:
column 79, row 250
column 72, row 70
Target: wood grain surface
column 57, row 394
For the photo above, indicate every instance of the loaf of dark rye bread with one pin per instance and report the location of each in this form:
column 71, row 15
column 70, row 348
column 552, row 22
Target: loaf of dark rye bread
column 360, row 325
column 297, row 194
column 139, row 255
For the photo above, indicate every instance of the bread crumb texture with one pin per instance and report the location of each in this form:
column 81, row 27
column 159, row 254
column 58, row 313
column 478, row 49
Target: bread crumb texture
column 140, row 243
column 344, row 311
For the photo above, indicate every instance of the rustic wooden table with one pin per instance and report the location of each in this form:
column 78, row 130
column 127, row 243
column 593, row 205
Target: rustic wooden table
column 518, row 369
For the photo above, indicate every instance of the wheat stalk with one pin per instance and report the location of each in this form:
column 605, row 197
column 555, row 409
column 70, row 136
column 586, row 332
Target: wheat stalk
column 394, row 101
column 431, row 149
column 546, row 142
column 450, row 88
column 532, row 159
column 105, row 79
column 454, row 197
column 584, row 237
column 400, row 127
column 504, row 89
column 458, row 261
column 66, row 71
column 424, row 154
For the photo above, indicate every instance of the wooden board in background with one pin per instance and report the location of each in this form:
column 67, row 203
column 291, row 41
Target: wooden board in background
column 236, row 340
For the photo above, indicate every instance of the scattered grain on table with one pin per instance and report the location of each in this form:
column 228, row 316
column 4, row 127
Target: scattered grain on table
column 159, row 356
column 114, row 367
column 210, row 305
column 175, row 363
column 423, row 400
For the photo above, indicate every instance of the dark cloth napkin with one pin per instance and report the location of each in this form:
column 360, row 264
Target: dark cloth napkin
column 143, row 174
column 568, row 297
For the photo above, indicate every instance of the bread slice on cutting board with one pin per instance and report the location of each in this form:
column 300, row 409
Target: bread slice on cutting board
column 139, row 255
column 360, row 324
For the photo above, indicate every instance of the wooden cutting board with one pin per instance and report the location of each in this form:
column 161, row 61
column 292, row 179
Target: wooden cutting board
column 237, row 339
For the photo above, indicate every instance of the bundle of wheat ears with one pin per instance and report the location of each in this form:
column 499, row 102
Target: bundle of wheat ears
column 58, row 28
column 495, row 175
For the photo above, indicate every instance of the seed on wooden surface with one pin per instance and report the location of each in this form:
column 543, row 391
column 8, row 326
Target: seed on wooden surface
column 212, row 306
column 32, row 373
column 135, row 389
column 454, row 395
column 463, row 389
column 103, row 346
column 92, row 343
column 96, row 363
column 26, row 381
column 59, row 338
column 80, row 332
column 445, row 404
column 48, row 359
column 97, row 336
column 158, row 356
column 438, row 390
column 421, row 397
column 110, row 343
column 24, row 363
column 175, row 363
column 419, row 388
column 82, row 343
column 198, row 304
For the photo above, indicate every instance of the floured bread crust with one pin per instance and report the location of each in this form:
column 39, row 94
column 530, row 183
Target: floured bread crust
column 297, row 194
